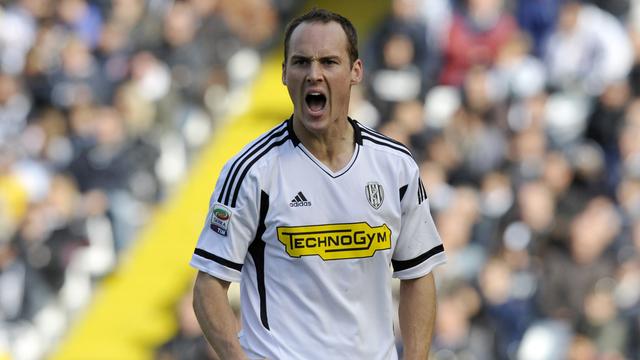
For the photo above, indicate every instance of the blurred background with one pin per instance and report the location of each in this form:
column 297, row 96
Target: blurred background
column 116, row 117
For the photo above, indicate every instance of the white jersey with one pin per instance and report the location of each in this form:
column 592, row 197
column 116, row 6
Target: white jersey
column 314, row 250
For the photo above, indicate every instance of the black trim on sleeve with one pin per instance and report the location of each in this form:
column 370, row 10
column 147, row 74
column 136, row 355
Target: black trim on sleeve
column 422, row 192
column 399, row 265
column 224, row 262
column 403, row 190
column 256, row 249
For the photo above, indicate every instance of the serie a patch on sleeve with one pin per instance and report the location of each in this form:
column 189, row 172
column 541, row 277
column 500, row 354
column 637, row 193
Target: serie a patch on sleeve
column 220, row 217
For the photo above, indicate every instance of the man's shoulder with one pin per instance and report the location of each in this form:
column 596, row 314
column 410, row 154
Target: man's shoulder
column 248, row 163
column 259, row 148
column 382, row 144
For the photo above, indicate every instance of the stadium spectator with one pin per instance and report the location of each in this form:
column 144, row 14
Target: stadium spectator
column 537, row 18
column 509, row 311
column 589, row 49
column 457, row 335
column 601, row 322
column 511, row 136
column 78, row 80
column 437, row 16
column 571, row 272
column 618, row 8
column 406, row 124
column 15, row 105
column 188, row 343
column 19, row 28
column 81, row 18
column 181, row 53
column 466, row 257
column 477, row 32
column 24, row 292
column 402, row 58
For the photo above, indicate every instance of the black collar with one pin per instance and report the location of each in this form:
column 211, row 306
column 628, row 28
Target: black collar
column 357, row 135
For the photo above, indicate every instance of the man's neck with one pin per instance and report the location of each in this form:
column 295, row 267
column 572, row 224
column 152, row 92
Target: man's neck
column 333, row 147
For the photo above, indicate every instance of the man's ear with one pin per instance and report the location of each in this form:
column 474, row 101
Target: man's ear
column 357, row 72
column 284, row 73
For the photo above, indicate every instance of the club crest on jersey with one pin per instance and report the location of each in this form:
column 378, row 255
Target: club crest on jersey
column 375, row 194
column 220, row 217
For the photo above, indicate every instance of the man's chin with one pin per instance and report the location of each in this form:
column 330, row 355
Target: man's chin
column 314, row 124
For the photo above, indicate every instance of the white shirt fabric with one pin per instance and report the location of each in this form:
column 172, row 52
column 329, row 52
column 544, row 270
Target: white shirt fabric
column 314, row 250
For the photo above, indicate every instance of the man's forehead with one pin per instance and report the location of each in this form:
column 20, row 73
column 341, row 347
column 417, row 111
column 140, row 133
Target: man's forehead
column 318, row 39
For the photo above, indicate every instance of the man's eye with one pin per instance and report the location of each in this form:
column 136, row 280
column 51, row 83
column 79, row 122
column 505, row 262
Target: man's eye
column 330, row 62
column 300, row 61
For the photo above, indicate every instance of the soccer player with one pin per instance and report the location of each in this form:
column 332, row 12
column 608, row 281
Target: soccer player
column 313, row 219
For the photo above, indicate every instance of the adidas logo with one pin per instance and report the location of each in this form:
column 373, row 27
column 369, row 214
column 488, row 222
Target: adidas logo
column 299, row 200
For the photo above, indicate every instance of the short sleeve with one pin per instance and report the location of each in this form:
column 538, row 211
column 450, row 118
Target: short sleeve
column 230, row 226
column 419, row 248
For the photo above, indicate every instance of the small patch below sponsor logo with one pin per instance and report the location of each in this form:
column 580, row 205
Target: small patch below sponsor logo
column 220, row 217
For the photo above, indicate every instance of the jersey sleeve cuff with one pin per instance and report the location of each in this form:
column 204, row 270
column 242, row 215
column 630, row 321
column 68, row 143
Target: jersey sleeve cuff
column 216, row 269
column 419, row 266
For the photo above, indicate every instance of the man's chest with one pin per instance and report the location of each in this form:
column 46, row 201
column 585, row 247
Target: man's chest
column 350, row 216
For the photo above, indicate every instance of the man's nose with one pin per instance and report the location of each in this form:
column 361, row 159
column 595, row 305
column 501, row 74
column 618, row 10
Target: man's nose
column 315, row 72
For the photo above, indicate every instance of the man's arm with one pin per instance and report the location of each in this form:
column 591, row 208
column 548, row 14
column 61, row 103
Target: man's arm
column 216, row 318
column 417, row 312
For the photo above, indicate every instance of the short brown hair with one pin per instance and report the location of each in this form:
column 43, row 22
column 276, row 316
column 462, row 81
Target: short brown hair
column 324, row 16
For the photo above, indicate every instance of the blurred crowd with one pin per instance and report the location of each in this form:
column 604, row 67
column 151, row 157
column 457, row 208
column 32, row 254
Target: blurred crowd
column 524, row 116
column 525, row 119
column 102, row 106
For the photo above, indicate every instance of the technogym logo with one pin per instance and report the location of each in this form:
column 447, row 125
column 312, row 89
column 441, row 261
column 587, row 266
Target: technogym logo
column 335, row 241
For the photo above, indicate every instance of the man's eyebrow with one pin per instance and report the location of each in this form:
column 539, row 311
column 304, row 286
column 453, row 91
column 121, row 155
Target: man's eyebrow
column 304, row 57
column 330, row 57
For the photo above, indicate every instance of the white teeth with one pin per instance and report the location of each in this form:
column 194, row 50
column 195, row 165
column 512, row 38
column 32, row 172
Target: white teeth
column 315, row 93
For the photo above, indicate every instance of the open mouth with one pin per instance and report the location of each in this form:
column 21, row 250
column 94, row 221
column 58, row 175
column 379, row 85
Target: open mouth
column 315, row 101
